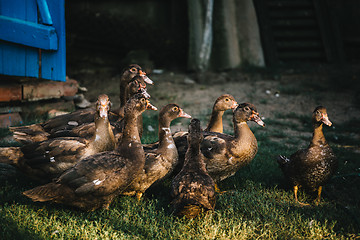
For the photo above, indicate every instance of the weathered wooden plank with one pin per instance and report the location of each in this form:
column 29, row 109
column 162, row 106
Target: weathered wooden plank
column 283, row 13
column 13, row 56
column 28, row 33
column 53, row 64
column 294, row 23
column 31, row 54
column 301, row 55
column 47, row 90
column 300, row 33
column 10, row 93
column 298, row 44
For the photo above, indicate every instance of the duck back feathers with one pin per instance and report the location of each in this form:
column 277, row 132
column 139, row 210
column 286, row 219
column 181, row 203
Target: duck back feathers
column 192, row 189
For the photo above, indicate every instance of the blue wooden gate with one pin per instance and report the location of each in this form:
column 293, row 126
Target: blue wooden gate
column 32, row 38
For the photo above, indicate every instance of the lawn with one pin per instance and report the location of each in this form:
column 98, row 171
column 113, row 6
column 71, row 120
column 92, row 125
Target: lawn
column 257, row 204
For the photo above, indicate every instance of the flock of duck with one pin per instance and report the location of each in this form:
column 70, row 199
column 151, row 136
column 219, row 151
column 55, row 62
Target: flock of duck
column 88, row 157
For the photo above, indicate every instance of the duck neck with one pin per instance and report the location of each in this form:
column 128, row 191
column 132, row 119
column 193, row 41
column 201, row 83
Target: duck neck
column 165, row 137
column 131, row 131
column 103, row 134
column 318, row 135
column 215, row 123
column 241, row 131
column 193, row 158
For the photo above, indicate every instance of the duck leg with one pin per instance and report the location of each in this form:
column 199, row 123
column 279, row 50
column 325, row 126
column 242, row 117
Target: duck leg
column 317, row 200
column 296, row 188
column 217, row 189
column 139, row 195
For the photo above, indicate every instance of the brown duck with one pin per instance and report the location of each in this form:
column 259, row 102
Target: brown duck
column 226, row 154
column 60, row 125
column 312, row 167
column 192, row 189
column 48, row 159
column 161, row 160
column 96, row 180
column 222, row 103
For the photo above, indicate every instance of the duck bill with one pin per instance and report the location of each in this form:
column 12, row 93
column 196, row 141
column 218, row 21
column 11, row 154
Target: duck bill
column 234, row 105
column 146, row 78
column 144, row 92
column 184, row 114
column 326, row 120
column 149, row 106
column 256, row 118
column 103, row 113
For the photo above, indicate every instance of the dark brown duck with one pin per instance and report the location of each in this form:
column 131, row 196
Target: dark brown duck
column 192, row 189
column 312, row 167
column 159, row 161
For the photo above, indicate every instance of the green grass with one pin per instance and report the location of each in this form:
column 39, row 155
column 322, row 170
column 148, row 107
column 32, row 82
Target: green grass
column 258, row 203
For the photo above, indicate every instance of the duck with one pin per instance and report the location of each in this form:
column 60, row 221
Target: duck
column 47, row 159
column 225, row 154
column 193, row 189
column 159, row 162
column 43, row 131
column 313, row 167
column 96, row 180
column 222, row 103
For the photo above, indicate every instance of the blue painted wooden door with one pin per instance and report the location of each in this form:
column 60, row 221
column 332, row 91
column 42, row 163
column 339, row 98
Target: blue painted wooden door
column 32, row 39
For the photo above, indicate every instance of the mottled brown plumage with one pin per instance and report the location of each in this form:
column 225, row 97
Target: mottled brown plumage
column 159, row 161
column 96, row 180
column 312, row 167
column 79, row 123
column 222, row 103
column 192, row 189
column 48, row 159
column 226, row 154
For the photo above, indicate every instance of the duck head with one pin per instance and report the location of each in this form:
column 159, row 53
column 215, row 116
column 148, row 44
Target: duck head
column 225, row 102
column 195, row 134
column 137, row 104
column 137, row 85
column 134, row 70
column 320, row 116
column 247, row 112
column 103, row 105
column 172, row 111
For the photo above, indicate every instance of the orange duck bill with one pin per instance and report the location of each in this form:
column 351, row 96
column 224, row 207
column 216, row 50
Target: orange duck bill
column 149, row 106
column 256, row 118
column 146, row 78
column 184, row 114
column 325, row 120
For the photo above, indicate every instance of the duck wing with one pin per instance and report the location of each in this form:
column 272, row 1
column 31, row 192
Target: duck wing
column 99, row 174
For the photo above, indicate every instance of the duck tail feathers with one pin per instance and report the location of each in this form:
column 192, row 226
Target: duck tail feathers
column 10, row 155
column 47, row 192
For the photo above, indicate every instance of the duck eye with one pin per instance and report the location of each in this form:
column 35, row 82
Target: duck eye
column 175, row 109
column 133, row 69
column 142, row 100
column 227, row 99
column 247, row 109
